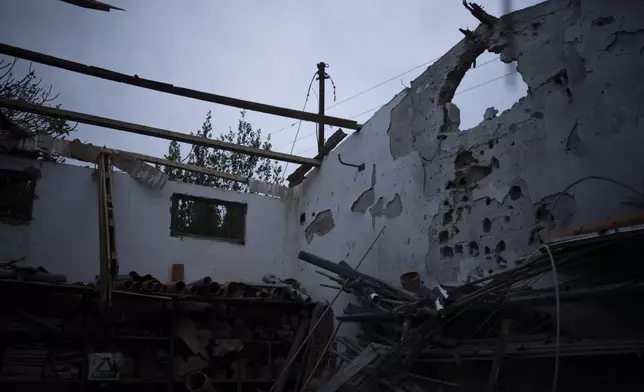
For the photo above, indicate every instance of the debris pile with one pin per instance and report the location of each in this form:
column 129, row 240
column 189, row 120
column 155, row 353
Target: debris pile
column 417, row 339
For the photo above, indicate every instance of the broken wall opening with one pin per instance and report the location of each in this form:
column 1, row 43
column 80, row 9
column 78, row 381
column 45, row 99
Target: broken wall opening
column 491, row 84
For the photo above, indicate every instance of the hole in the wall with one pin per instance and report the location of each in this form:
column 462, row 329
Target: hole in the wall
column 488, row 201
column 487, row 225
column 506, row 219
column 443, row 236
column 515, row 193
column 446, row 203
column 501, row 94
column 473, row 249
column 487, row 250
column 302, row 218
column 490, row 271
column 447, row 252
column 542, row 214
column 490, row 144
column 534, row 237
column 458, row 248
column 500, row 247
column 312, row 213
column 495, row 163
column 464, row 198
column 448, row 217
column 463, row 160
column 477, row 173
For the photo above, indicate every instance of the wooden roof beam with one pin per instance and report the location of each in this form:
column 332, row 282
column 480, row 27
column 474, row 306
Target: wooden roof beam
column 151, row 131
column 171, row 89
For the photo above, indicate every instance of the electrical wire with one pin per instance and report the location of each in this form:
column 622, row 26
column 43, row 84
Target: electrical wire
column 460, row 92
column 312, row 330
column 379, row 106
column 190, row 153
column 376, row 86
column 555, row 378
column 381, row 83
column 600, row 178
column 308, row 94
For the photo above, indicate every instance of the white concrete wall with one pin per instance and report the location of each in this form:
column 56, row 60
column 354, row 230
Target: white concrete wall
column 443, row 183
column 63, row 234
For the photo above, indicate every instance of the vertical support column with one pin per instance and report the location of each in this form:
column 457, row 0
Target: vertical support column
column 322, row 81
column 108, row 260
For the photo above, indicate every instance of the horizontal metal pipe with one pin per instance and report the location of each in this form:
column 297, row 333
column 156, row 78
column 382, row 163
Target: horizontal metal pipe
column 175, row 287
column 328, row 265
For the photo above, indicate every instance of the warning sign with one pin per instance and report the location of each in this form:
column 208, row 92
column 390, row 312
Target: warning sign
column 104, row 366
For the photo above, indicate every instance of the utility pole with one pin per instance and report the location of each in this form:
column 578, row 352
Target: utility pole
column 322, row 79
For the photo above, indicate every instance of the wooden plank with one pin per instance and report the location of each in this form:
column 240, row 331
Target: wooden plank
column 298, row 174
column 151, row 131
column 185, row 166
column 135, row 80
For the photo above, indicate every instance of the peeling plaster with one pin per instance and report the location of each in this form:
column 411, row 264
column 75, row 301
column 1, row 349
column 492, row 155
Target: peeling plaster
column 366, row 199
column 321, row 225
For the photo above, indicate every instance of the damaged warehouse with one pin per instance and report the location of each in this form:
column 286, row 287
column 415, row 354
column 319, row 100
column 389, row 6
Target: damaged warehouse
column 495, row 258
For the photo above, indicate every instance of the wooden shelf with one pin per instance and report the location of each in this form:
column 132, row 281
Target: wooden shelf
column 132, row 337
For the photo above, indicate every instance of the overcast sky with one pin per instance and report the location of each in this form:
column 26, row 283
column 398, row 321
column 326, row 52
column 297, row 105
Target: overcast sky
column 263, row 51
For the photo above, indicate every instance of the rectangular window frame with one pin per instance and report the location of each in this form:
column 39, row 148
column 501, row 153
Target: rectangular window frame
column 176, row 232
column 21, row 176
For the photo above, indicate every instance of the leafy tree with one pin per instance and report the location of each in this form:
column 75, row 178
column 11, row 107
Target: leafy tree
column 259, row 168
column 29, row 88
column 174, row 154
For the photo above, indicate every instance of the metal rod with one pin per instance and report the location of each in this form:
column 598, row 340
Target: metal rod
column 312, row 330
column 135, row 80
column 151, row 131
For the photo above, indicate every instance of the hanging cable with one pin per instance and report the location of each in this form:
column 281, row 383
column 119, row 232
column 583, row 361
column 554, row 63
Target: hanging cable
column 382, row 83
column 600, row 178
column 379, row 106
column 299, row 125
column 374, row 87
column 555, row 377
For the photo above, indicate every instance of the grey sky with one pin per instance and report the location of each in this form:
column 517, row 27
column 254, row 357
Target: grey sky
column 264, row 51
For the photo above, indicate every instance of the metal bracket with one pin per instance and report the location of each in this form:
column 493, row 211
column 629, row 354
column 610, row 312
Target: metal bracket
column 360, row 167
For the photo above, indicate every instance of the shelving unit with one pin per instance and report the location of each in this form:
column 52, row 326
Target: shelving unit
column 83, row 331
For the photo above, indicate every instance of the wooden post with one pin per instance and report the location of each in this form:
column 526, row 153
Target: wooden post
column 493, row 381
column 322, row 80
